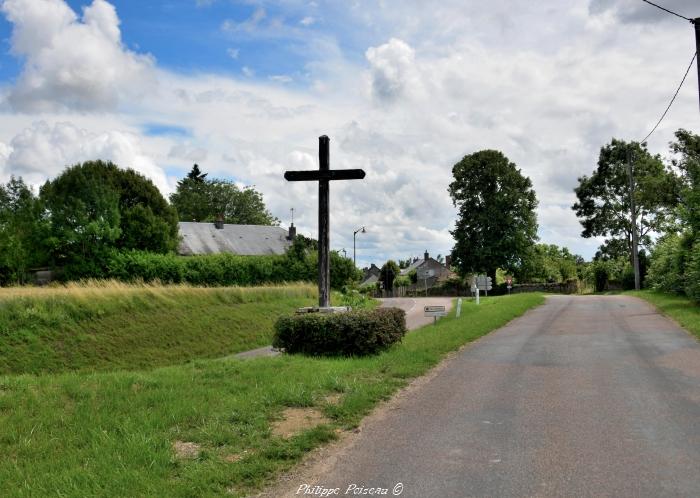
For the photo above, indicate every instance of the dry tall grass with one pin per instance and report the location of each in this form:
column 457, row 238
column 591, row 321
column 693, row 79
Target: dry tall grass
column 86, row 290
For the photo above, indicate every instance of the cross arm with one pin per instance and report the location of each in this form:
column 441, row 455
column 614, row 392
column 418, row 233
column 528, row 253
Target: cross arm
column 315, row 175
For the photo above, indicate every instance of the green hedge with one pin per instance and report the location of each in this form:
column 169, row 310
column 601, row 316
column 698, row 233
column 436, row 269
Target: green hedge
column 217, row 269
column 212, row 270
column 355, row 333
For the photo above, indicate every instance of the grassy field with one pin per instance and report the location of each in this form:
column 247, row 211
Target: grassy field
column 112, row 433
column 110, row 325
column 681, row 309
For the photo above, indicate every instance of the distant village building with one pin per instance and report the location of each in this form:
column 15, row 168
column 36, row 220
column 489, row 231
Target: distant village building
column 370, row 276
column 430, row 272
column 245, row 240
column 435, row 271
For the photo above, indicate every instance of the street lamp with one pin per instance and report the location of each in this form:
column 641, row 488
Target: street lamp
column 354, row 234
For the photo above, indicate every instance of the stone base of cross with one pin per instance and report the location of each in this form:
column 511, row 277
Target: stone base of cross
column 323, row 176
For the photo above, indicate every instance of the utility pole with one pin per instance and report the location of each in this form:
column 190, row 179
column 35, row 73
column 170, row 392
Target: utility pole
column 633, row 212
column 696, row 23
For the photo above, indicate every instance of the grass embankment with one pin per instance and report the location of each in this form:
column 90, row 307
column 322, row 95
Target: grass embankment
column 679, row 308
column 109, row 325
column 112, row 434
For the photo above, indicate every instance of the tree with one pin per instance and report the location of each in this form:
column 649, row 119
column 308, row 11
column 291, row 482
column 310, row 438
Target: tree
column 603, row 205
column 388, row 273
column 96, row 207
column 196, row 175
column 547, row 263
column 496, row 222
column 200, row 199
column 687, row 145
column 21, row 227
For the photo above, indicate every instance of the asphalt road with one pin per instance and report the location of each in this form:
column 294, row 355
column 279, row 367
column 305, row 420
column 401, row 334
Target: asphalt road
column 582, row 397
column 415, row 316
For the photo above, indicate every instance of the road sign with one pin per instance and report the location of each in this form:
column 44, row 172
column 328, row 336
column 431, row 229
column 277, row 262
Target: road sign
column 434, row 311
column 483, row 282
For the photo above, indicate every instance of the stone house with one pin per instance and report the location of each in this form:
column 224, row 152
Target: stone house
column 430, row 272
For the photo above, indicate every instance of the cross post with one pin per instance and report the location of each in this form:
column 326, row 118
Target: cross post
column 323, row 176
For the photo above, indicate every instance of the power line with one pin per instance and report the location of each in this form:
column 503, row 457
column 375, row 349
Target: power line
column 673, row 99
column 669, row 11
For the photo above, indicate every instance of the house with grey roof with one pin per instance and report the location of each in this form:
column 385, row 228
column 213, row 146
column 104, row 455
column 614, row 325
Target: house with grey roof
column 429, row 271
column 245, row 240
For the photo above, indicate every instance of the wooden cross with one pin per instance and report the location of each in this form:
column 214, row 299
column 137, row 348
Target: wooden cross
column 323, row 176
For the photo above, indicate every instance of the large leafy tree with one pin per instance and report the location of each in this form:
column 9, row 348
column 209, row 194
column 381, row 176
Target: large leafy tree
column 95, row 207
column 603, row 204
column 200, row 199
column 21, row 226
column 496, row 223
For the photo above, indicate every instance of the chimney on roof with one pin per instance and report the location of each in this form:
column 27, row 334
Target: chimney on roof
column 448, row 261
column 426, row 255
column 292, row 232
column 219, row 223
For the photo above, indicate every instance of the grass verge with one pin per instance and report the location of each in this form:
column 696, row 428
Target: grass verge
column 679, row 308
column 110, row 325
column 112, row 434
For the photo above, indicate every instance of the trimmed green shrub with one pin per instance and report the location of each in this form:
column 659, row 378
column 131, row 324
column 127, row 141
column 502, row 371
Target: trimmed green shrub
column 355, row 333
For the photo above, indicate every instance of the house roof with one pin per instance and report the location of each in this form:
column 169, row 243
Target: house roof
column 414, row 266
column 246, row 240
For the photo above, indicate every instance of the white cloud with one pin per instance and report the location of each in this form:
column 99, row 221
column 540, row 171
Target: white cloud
column 281, row 78
column 247, row 72
column 392, row 66
column 249, row 24
column 42, row 151
column 233, row 52
column 307, row 21
column 72, row 63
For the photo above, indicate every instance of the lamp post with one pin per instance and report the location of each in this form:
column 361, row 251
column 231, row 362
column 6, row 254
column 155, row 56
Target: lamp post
column 354, row 250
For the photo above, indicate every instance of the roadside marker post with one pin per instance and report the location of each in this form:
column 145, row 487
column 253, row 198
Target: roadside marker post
column 459, row 307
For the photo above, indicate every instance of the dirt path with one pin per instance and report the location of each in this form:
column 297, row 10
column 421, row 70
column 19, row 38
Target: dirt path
column 586, row 396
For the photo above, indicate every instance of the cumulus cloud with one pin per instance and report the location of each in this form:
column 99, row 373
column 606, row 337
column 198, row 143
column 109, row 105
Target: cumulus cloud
column 42, row 151
column 72, row 63
column 634, row 11
column 391, row 67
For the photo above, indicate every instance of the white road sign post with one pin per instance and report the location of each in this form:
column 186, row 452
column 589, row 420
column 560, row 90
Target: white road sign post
column 459, row 307
column 435, row 312
column 481, row 283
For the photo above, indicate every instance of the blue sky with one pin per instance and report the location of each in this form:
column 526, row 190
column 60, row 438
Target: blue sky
column 404, row 90
column 185, row 36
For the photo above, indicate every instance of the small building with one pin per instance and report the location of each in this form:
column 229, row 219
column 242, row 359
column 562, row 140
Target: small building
column 429, row 271
column 245, row 240
column 370, row 276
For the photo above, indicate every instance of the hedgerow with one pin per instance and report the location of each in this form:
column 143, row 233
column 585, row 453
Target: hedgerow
column 218, row 269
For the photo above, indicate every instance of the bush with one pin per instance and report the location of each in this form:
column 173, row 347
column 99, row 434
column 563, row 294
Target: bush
column 628, row 282
column 601, row 274
column 692, row 273
column 355, row 333
column 668, row 263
